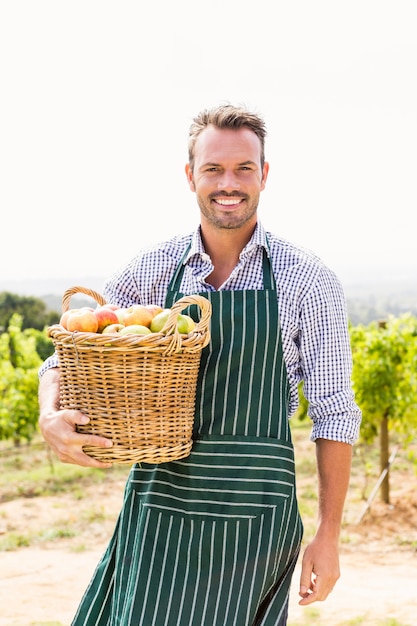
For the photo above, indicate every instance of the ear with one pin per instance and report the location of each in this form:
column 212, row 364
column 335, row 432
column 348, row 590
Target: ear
column 189, row 175
column 264, row 175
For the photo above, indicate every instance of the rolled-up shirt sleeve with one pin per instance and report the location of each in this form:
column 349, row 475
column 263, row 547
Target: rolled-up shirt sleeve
column 50, row 362
column 326, row 361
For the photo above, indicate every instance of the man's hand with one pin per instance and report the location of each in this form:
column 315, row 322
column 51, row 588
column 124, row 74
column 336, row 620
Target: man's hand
column 58, row 426
column 59, row 431
column 320, row 570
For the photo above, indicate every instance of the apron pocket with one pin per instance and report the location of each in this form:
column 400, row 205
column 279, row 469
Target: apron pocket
column 202, row 568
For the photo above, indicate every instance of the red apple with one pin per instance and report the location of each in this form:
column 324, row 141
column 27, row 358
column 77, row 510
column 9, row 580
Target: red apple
column 137, row 314
column 113, row 307
column 105, row 317
column 83, row 320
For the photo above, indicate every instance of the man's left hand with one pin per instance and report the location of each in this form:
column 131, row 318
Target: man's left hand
column 320, row 570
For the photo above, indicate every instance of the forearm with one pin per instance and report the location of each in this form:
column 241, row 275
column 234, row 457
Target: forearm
column 49, row 392
column 320, row 566
column 334, row 461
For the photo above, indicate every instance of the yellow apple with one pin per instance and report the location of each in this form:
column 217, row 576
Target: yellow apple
column 154, row 309
column 64, row 318
column 120, row 314
column 137, row 314
column 112, row 329
column 135, row 329
column 82, row 320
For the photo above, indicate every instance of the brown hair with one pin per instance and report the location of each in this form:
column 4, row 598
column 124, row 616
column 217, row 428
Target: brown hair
column 226, row 116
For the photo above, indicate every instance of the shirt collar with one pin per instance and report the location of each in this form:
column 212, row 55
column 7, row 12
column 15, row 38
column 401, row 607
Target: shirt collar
column 258, row 240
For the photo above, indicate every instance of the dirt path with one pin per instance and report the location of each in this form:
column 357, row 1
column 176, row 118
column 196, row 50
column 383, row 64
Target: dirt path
column 44, row 586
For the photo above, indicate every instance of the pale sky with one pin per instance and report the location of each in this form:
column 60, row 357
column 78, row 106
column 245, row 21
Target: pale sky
column 97, row 97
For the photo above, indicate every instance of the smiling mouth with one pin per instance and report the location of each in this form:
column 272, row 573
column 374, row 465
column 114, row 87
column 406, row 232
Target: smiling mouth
column 226, row 202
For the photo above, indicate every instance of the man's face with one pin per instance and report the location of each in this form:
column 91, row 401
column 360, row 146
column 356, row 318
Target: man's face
column 227, row 176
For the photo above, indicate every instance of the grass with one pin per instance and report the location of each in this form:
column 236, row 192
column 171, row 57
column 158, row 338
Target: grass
column 56, row 530
column 31, row 471
column 28, row 473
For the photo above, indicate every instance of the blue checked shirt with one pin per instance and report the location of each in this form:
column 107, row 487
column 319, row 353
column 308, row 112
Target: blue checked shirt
column 312, row 310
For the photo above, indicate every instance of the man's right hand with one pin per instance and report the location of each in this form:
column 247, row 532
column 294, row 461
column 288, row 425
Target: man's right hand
column 58, row 426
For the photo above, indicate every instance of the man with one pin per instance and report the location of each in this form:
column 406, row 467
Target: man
column 213, row 539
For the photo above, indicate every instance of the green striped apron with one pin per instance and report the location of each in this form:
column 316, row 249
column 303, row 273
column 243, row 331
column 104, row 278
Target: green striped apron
column 213, row 539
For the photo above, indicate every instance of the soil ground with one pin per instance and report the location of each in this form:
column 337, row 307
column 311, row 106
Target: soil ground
column 41, row 583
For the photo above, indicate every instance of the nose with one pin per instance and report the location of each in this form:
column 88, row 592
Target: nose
column 228, row 181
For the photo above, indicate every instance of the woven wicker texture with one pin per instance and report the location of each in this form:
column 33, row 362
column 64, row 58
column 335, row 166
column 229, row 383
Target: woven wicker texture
column 138, row 390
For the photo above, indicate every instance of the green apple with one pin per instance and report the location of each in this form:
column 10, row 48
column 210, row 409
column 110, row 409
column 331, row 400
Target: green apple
column 159, row 320
column 191, row 323
column 182, row 324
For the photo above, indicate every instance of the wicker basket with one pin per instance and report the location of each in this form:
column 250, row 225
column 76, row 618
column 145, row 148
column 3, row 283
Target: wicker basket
column 138, row 390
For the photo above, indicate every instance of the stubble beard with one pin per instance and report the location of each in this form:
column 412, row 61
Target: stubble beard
column 233, row 221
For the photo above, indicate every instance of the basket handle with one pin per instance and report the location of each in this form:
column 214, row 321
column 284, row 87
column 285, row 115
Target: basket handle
column 66, row 298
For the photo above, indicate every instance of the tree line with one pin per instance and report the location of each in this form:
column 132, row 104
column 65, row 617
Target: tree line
column 33, row 311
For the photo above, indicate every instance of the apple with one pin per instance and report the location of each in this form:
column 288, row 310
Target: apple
column 121, row 312
column 159, row 320
column 82, row 320
column 137, row 314
column 190, row 322
column 135, row 329
column 154, row 309
column 113, row 307
column 184, row 322
column 113, row 329
column 105, row 317
column 64, row 318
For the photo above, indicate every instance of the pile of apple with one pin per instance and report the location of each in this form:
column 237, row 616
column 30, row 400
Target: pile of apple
column 111, row 319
